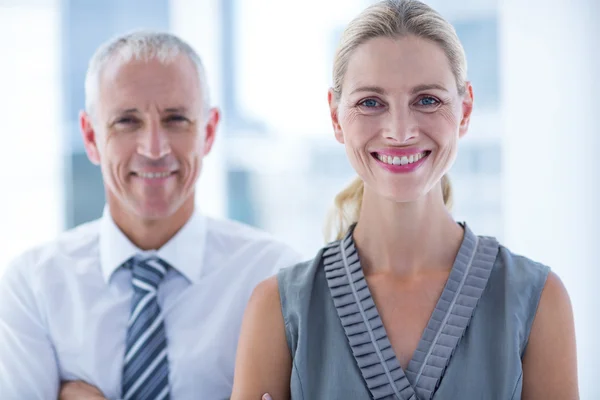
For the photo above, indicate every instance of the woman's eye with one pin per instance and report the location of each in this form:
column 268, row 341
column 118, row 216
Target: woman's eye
column 370, row 103
column 428, row 101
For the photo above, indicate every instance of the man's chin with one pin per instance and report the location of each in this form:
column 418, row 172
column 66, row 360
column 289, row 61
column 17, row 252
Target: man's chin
column 154, row 210
column 155, row 207
column 156, row 213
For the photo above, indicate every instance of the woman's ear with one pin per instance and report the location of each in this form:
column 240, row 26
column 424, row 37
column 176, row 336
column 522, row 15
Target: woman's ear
column 333, row 112
column 467, row 109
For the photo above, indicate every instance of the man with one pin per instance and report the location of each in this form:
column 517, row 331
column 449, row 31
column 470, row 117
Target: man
column 147, row 301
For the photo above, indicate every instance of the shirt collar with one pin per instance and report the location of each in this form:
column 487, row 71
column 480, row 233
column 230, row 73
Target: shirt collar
column 184, row 251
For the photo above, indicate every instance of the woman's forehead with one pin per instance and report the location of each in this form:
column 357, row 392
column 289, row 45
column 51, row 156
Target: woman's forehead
column 398, row 64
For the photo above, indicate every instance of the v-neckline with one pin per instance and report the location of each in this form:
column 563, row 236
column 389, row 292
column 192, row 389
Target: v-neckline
column 368, row 338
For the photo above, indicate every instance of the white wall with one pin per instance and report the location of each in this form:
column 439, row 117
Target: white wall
column 551, row 167
column 199, row 23
column 31, row 156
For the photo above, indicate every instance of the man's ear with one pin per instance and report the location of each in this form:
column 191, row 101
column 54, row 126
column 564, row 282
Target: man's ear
column 214, row 116
column 89, row 137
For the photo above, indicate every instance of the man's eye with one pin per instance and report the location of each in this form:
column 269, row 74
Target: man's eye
column 176, row 118
column 126, row 120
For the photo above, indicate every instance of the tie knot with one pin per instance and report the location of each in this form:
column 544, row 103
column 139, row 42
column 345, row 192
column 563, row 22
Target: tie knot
column 148, row 273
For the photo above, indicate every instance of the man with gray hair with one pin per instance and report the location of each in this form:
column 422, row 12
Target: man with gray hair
column 147, row 301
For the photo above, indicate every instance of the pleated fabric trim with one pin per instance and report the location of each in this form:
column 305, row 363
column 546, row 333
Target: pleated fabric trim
column 366, row 334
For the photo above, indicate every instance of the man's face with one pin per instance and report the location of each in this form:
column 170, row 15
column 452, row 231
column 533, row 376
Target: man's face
column 149, row 131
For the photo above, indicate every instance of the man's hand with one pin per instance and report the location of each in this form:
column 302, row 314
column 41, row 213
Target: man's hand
column 78, row 390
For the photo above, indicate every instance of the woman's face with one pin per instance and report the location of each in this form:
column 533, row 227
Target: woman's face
column 400, row 115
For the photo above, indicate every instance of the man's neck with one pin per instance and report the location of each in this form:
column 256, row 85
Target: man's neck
column 151, row 234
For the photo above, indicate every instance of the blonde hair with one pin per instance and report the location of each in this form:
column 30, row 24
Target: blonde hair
column 390, row 18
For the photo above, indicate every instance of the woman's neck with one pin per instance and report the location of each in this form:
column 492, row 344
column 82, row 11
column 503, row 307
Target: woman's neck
column 406, row 239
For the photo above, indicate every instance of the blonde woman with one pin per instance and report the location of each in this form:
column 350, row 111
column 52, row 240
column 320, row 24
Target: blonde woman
column 406, row 303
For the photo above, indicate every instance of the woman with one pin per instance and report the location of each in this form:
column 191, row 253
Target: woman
column 406, row 303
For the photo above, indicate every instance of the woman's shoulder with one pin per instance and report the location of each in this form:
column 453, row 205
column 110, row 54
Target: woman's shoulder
column 519, row 268
column 509, row 271
column 299, row 283
column 516, row 283
column 304, row 272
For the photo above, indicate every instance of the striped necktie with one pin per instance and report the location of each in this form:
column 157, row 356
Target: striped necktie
column 146, row 365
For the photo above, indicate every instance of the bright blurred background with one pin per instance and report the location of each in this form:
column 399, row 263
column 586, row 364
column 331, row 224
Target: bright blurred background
column 526, row 173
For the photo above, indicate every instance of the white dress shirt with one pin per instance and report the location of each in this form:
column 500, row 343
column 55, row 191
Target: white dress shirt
column 64, row 307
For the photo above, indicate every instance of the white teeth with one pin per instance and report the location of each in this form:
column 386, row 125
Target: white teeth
column 153, row 175
column 404, row 160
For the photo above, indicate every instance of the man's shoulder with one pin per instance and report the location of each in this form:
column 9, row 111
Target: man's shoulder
column 67, row 246
column 255, row 247
column 240, row 234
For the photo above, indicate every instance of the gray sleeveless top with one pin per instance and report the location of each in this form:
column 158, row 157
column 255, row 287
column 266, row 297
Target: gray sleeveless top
column 471, row 348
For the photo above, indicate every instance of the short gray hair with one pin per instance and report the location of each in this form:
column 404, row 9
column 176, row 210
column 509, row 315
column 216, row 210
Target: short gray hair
column 141, row 45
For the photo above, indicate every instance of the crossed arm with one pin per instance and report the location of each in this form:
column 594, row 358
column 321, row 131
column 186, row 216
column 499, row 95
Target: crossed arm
column 263, row 360
column 263, row 363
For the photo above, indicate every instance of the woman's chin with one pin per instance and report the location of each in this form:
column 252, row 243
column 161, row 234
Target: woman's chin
column 402, row 196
